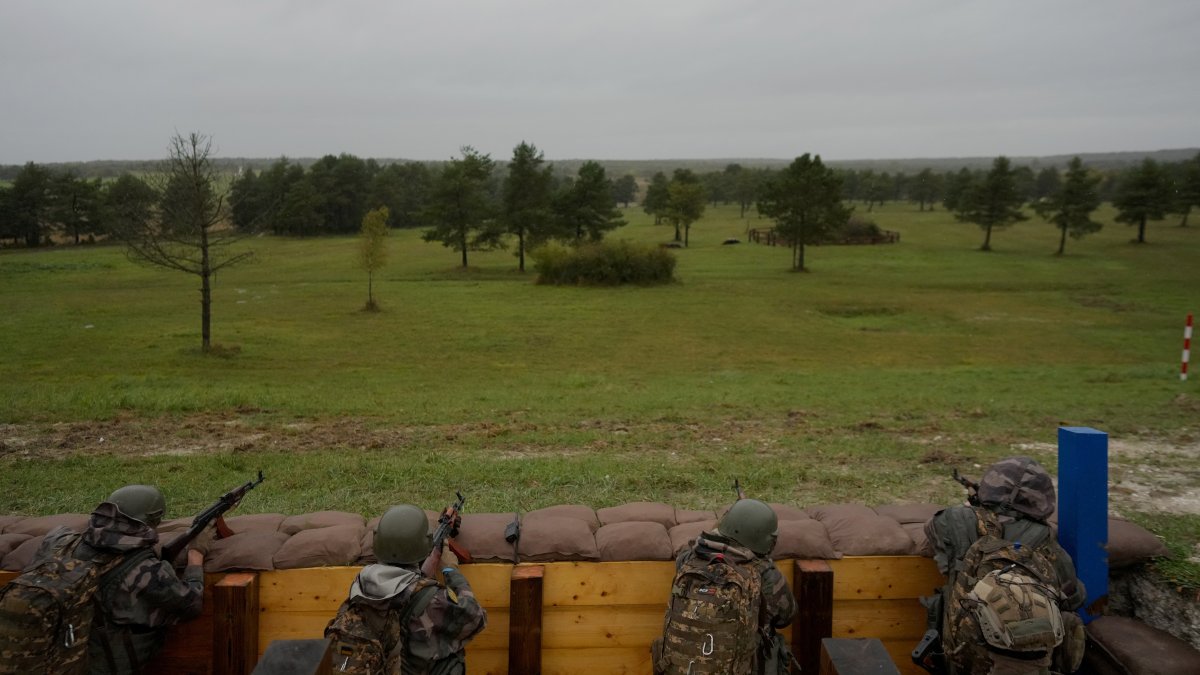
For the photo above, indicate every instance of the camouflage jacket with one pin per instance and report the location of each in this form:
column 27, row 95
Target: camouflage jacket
column 149, row 595
column 448, row 618
column 778, row 606
column 952, row 531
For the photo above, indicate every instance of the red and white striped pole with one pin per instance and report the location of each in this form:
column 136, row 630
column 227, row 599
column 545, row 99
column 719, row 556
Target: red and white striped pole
column 1187, row 348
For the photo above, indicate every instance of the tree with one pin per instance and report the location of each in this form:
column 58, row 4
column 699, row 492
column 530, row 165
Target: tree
column 75, row 205
column 657, row 196
column 404, row 189
column 1187, row 188
column 957, row 187
column 686, row 199
column 1070, row 206
column 1048, row 183
column 625, row 189
column 460, row 207
column 745, row 187
column 372, row 250
column 1143, row 194
column 805, row 200
column 526, row 198
column 586, row 207
column 30, row 204
column 992, row 203
column 188, row 232
column 925, row 188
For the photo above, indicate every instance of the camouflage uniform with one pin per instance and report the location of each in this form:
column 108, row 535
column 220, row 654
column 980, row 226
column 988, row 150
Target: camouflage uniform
column 1021, row 495
column 140, row 599
column 777, row 607
column 438, row 627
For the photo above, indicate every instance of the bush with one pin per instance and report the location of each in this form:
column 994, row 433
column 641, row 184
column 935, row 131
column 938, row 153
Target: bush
column 860, row 228
column 603, row 264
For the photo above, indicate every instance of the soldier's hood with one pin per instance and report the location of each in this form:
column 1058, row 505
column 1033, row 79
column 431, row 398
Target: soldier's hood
column 717, row 543
column 110, row 529
column 382, row 583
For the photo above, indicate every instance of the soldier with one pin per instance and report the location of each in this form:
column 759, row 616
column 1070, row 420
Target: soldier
column 1000, row 549
column 398, row 618
column 111, row 566
column 727, row 600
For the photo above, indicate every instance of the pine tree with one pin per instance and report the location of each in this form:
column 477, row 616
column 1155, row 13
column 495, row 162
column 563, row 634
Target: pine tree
column 1070, row 206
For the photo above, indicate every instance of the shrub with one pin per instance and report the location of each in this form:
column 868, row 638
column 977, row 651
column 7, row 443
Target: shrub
column 603, row 264
column 860, row 228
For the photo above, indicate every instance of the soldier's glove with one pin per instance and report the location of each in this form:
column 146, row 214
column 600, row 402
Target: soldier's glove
column 204, row 540
column 448, row 557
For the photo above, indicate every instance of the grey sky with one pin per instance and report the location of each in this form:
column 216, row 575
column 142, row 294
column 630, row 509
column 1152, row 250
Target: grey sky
column 105, row 79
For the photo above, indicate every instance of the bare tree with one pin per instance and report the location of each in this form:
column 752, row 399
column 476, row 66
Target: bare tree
column 189, row 230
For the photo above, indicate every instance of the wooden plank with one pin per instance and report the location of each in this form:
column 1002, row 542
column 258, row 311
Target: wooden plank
column 235, row 624
column 607, row 583
column 602, row 627
column 487, row 661
column 884, row 577
column 308, row 625
column 813, row 590
column 525, row 620
column 320, row 588
column 883, row 619
column 614, row 661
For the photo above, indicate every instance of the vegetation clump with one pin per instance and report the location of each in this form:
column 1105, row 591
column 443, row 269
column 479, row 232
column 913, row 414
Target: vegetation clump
column 603, row 264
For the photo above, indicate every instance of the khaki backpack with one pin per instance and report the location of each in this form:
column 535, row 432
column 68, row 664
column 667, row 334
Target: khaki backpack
column 711, row 625
column 1004, row 597
column 361, row 634
column 46, row 613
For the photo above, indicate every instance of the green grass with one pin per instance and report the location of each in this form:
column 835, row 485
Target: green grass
column 864, row 379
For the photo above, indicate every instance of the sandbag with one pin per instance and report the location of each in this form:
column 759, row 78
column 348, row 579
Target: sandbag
column 1137, row 649
column 482, row 534
column 909, row 513
column 584, row 513
column 321, row 547
column 255, row 522
column 646, row 512
column 682, row 536
column 921, row 545
column 549, row 538
column 9, row 543
column 785, row 512
column 245, row 551
column 38, row 527
column 1129, row 544
column 634, row 540
column 5, row 521
column 320, row 519
column 174, row 525
column 803, row 538
column 857, row 530
column 20, row 557
column 683, row 516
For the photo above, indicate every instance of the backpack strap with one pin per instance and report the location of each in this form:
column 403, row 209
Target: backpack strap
column 988, row 523
column 110, row 580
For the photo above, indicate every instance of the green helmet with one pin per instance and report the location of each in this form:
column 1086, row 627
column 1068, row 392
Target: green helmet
column 141, row 502
column 752, row 524
column 402, row 536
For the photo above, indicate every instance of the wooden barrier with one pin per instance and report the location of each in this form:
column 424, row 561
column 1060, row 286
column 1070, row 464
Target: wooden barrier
column 594, row 617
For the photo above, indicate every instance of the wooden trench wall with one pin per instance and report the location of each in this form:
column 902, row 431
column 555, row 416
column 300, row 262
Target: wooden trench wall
column 558, row 618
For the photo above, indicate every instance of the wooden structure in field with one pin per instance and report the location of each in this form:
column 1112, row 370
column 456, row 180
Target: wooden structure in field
column 559, row 618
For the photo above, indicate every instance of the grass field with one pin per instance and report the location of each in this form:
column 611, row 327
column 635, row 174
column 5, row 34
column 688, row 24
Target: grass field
column 866, row 379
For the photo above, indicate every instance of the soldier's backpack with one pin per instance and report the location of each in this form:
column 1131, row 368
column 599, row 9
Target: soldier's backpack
column 1004, row 597
column 360, row 634
column 711, row 623
column 46, row 613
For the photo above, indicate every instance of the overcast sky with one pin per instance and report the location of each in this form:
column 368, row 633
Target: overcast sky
column 605, row 79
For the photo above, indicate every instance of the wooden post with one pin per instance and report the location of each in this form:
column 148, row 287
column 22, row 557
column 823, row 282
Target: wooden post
column 525, row 620
column 1083, row 511
column 235, row 624
column 813, row 589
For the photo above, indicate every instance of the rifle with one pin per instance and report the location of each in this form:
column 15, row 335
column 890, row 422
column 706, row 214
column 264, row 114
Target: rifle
column 447, row 529
column 928, row 653
column 215, row 512
column 972, row 488
column 737, row 487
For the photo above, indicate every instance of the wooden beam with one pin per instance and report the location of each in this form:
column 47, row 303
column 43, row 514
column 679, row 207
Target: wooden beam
column 235, row 624
column 813, row 589
column 525, row 620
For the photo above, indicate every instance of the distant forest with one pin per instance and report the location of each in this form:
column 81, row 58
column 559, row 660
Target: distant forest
column 646, row 168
